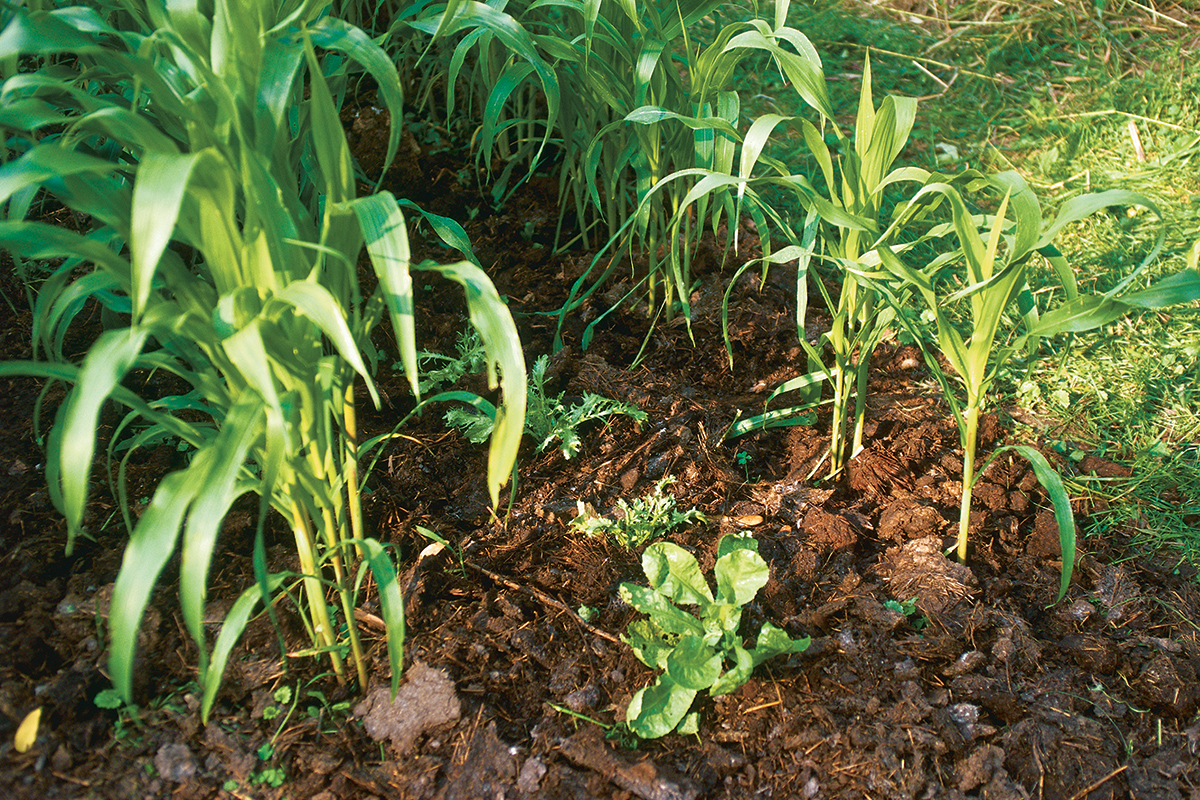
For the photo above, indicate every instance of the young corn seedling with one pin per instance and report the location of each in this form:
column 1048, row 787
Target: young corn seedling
column 208, row 152
column 991, row 281
column 859, row 318
column 841, row 232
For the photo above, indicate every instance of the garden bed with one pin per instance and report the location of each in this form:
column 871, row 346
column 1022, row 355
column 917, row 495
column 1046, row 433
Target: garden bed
column 982, row 687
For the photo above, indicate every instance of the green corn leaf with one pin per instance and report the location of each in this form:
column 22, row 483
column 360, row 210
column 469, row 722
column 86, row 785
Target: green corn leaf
column 335, row 34
column 652, row 115
column 1052, row 483
column 510, row 80
column 329, row 140
column 149, row 547
column 1182, row 287
column 391, row 604
column 776, row 418
column 162, row 180
column 42, row 163
column 492, row 320
column 59, row 31
column 383, row 228
column 315, row 302
column 220, row 464
column 107, row 362
column 1084, row 206
column 1089, row 312
column 231, row 630
column 447, row 229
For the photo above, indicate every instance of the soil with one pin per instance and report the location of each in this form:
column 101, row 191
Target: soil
column 986, row 689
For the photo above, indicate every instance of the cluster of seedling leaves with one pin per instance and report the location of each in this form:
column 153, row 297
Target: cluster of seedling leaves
column 634, row 524
column 693, row 650
column 547, row 418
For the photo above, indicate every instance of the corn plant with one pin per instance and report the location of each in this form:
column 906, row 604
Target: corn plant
column 681, row 143
column 988, row 274
column 203, row 141
column 865, row 170
column 639, row 114
column 840, row 233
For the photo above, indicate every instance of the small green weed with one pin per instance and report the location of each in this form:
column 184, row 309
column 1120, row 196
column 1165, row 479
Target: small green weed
column 547, row 419
column 638, row 522
column 692, row 650
column 618, row 732
column 909, row 609
column 471, row 358
column 127, row 714
column 130, row 718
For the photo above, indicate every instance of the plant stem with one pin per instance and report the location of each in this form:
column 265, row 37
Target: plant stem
column 865, row 347
column 969, row 440
column 837, row 428
column 322, row 626
column 350, row 468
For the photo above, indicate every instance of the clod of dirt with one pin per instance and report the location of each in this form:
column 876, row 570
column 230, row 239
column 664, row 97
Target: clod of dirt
column 491, row 768
column 920, row 569
column 828, row 530
column 643, row 778
column 909, row 517
column 425, row 701
column 175, row 763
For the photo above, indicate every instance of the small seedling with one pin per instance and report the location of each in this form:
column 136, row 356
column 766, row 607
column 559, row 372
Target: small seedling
column 546, row 419
column 743, row 459
column 692, row 650
column 638, row 522
column 437, row 538
column 471, row 358
column 272, row 776
column 127, row 714
column 619, row 732
column 283, row 697
column 909, row 609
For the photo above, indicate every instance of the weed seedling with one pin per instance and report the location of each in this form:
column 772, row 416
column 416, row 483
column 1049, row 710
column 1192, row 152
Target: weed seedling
column 743, row 459
column 909, row 609
column 638, row 522
column 471, row 358
column 127, row 714
column 618, row 732
column 547, row 419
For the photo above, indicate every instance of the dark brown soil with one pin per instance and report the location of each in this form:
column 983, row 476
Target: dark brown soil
column 987, row 690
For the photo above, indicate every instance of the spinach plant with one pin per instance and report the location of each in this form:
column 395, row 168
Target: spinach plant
column 692, row 649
